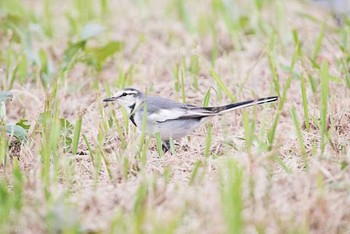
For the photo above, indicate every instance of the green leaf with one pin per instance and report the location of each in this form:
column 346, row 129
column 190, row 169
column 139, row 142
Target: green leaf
column 66, row 125
column 299, row 134
column 221, row 84
column 76, row 134
column 71, row 52
column 159, row 144
column 24, row 124
column 73, row 49
column 66, row 131
column 46, row 69
column 325, row 77
column 100, row 54
column 343, row 165
column 335, row 79
column 206, row 98
column 17, row 131
column 184, row 14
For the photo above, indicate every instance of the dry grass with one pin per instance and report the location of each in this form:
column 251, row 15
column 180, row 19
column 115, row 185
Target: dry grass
column 185, row 193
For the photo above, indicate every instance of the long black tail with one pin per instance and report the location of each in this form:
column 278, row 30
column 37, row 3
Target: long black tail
column 239, row 105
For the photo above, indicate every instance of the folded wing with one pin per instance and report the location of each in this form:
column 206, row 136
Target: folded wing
column 164, row 115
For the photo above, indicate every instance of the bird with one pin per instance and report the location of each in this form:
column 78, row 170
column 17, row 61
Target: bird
column 171, row 119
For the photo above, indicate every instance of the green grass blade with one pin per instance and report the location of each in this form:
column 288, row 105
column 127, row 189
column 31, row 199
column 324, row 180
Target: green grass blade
column 282, row 100
column 76, row 135
column 206, row 98
column 159, row 144
column 275, row 80
column 208, row 140
column 324, row 76
column 221, row 84
column 305, row 103
column 231, row 177
column 195, row 171
column 249, row 129
column 299, row 135
column 318, row 43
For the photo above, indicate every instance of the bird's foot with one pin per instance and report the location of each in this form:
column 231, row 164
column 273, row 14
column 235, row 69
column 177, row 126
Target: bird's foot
column 166, row 146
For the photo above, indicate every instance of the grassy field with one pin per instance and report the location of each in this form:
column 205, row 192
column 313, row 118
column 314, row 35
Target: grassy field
column 83, row 168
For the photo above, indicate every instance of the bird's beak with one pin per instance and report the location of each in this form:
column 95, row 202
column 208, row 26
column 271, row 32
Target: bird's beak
column 111, row 99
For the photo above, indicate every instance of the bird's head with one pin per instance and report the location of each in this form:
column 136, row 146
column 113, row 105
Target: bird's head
column 126, row 98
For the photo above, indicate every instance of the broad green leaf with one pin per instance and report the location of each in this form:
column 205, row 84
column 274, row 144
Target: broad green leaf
column 47, row 70
column 24, row 124
column 108, row 50
column 71, row 51
column 17, row 131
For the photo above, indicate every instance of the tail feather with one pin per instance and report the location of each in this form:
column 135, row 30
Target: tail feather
column 239, row 105
column 204, row 112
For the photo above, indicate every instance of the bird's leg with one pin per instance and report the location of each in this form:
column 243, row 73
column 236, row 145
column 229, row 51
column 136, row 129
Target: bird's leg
column 166, row 146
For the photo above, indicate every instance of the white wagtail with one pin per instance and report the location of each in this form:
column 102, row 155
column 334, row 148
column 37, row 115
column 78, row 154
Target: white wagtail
column 171, row 119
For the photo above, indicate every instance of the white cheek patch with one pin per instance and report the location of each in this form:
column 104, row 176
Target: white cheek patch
column 126, row 102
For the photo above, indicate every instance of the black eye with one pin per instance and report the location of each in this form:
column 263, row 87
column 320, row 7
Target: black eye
column 123, row 95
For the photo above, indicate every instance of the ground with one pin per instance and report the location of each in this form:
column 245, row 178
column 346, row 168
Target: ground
column 277, row 168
